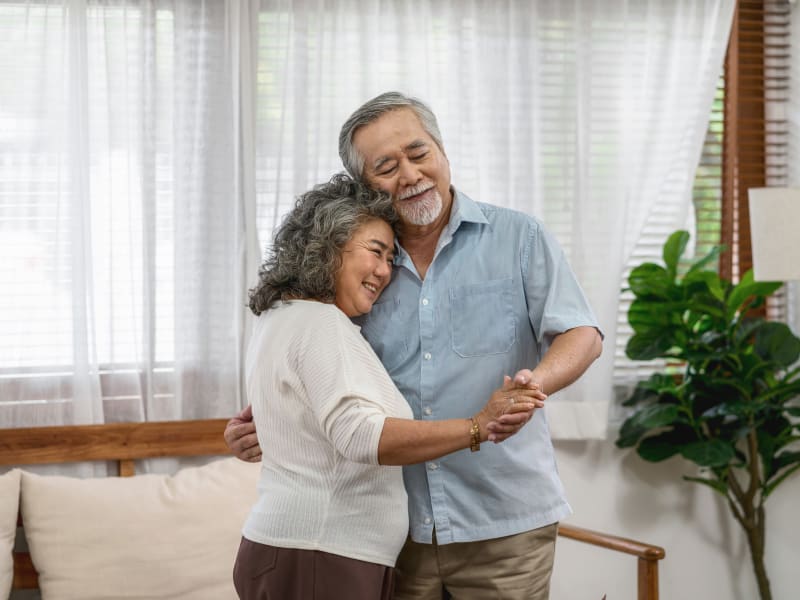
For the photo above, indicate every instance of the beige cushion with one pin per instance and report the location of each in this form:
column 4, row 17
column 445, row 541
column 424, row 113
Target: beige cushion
column 9, row 504
column 148, row 536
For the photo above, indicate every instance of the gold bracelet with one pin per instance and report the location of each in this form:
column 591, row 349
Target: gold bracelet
column 474, row 435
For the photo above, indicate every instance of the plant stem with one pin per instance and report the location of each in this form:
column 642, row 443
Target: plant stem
column 755, row 539
column 751, row 516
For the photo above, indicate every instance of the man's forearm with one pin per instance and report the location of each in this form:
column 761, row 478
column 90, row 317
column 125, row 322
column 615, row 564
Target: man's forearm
column 568, row 357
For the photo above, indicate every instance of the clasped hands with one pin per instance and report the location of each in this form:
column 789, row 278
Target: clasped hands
column 506, row 412
column 510, row 407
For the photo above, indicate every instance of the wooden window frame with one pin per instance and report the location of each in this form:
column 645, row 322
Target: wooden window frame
column 755, row 140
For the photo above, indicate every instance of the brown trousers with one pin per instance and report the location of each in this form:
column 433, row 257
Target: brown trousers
column 266, row 572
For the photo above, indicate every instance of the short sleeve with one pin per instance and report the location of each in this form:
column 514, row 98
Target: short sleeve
column 556, row 302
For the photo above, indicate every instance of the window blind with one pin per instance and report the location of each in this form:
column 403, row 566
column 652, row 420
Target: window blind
column 755, row 124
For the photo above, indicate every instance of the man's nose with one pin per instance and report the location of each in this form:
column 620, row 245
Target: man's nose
column 409, row 173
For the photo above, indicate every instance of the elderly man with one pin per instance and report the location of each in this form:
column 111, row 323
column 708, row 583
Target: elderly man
column 478, row 291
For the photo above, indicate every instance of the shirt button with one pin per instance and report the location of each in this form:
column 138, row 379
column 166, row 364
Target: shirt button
column 427, row 521
column 424, row 302
column 427, row 410
column 433, row 466
column 427, row 356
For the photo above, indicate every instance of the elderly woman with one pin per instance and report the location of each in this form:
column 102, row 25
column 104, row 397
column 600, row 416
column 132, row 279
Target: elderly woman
column 330, row 519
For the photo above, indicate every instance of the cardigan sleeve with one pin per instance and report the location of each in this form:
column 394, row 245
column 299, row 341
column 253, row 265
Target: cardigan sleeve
column 349, row 390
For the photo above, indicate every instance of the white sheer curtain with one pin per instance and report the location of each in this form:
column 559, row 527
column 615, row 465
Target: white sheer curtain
column 123, row 209
column 141, row 141
column 590, row 115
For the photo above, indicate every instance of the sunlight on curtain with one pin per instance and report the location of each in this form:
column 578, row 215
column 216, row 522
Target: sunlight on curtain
column 589, row 115
column 142, row 144
column 122, row 226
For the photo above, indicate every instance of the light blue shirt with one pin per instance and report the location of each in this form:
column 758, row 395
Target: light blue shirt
column 497, row 292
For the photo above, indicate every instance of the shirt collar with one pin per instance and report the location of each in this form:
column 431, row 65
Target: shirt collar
column 463, row 210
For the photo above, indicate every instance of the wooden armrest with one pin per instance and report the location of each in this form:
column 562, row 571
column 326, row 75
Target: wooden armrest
column 612, row 542
column 648, row 555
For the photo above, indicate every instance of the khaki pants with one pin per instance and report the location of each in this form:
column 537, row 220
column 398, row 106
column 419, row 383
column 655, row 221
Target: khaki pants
column 517, row 567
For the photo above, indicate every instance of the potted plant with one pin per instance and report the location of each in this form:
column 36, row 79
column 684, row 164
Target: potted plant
column 727, row 399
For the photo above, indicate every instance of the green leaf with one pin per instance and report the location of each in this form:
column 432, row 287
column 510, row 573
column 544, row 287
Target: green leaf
column 699, row 265
column 777, row 425
column 658, row 385
column 708, row 282
column 664, row 380
column 640, row 394
column 780, row 393
column 784, row 459
column 768, row 446
column 673, row 250
column 708, row 453
column 628, row 440
column 746, row 289
column 649, row 280
column 712, row 337
column 649, row 345
column 714, row 484
column 659, row 447
column 645, row 420
column 728, row 409
column 655, row 416
column 644, row 315
column 661, row 383
column 746, row 330
column 769, row 488
column 776, row 343
column 728, row 389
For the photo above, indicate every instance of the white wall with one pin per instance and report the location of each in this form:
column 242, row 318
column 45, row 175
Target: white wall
column 707, row 558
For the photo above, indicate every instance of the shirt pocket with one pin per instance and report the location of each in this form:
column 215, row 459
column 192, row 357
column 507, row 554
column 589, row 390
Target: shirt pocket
column 482, row 320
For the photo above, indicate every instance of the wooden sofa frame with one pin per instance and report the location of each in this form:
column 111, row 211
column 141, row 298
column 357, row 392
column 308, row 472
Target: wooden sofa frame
column 124, row 443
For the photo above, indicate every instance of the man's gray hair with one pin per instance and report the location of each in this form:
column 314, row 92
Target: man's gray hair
column 306, row 252
column 352, row 160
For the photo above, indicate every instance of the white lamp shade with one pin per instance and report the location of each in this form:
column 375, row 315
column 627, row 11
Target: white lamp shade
column 775, row 233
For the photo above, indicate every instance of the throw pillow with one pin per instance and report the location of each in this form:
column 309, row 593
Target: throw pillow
column 147, row 536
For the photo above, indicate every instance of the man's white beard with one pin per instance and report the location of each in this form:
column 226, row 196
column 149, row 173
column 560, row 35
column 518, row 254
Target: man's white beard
column 421, row 212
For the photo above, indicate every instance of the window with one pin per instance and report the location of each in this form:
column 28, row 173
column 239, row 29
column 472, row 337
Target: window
column 124, row 200
column 87, row 206
column 746, row 146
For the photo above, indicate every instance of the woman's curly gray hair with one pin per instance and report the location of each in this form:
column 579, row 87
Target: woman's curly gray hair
column 307, row 248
